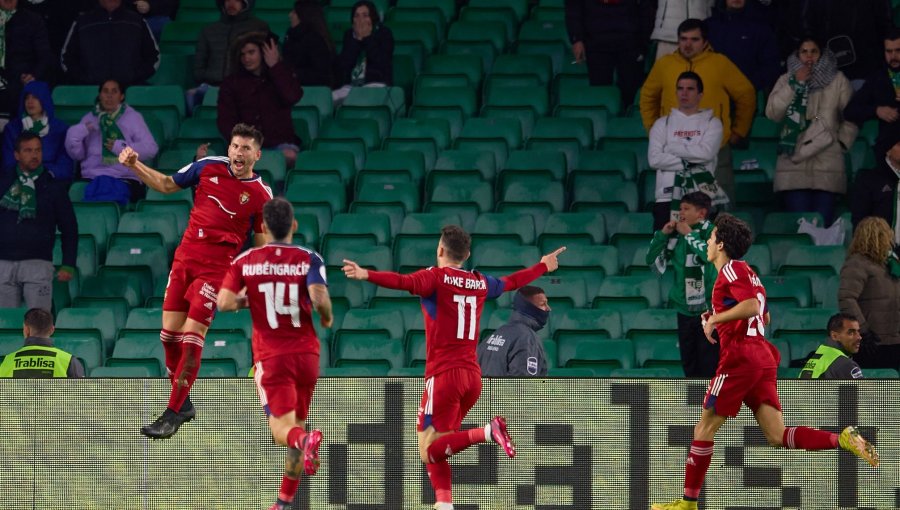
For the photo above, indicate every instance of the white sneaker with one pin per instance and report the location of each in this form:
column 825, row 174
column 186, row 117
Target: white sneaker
column 443, row 506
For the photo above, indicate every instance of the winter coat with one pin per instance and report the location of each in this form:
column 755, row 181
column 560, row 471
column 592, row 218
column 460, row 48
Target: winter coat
column 34, row 238
column 610, row 26
column 27, row 50
column 379, row 48
column 263, row 101
column 83, row 144
column 824, row 171
column 723, row 83
column 308, row 53
column 53, row 145
column 102, row 46
column 670, row 14
column 678, row 137
column 213, row 46
column 747, row 42
column 877, row 91
column 513, row 349
column 872, row 194
column 867, row 291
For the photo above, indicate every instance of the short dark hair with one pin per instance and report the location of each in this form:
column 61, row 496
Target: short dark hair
column 734, row 234
column 691, row 75
column 40, row 321
column 25, row 136
column 121, row 85
column 694, row 24
column 456, row 241
column 836, row 321
column 247, row 131
column 892, row 34
column 278, row 214
column 530, row 291
column 699, row 200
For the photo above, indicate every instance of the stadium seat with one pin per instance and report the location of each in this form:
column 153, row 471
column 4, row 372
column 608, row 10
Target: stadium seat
column 604, row 161
column 596, row 104
column 333, row 196
column 143, row 346
column 534, row 100
column 164, row 224
column 340, row 164
column 409, row 305
column 225, row 344
column 822, row 260
column 539, row 66
column 626, row 293
column 563, row 292
column 181, row 210
column 627, row 133
column 362, row 231
column 537, row 193
column 98, row 219
column 238, row 320
column 498, row 225
column 364, row 130
column 99, row 320
column 642, row 373
column 426, row 16
column 530, row 162
column 82, row 344
column 377, row 257
column 468, row 66
column 475, row 32
column 760, row 259
column 498, row 260
column 567, row 228
column 481, row 195
column 436, row 131
column 590, row 351
column 796, row 321
column 389, row 167
column 606, row 193
column 165, row 102
column 575, row 130
column 468, row 160
column 650, row 323
column 86, row 254
column 588, row 262
column 405, row 194
column 791, row 291
column 579, row 322
column 462, row 100
column 498, row 136
column 153, row 257
column 144, row 318
column 381, row 104
column 193, row 132
column 385, row 324
column 656, row 352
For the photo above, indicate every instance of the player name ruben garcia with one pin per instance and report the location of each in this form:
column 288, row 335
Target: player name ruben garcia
column 265, row 268
column 465, row 283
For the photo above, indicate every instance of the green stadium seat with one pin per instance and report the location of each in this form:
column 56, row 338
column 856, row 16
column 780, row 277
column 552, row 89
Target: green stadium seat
column 181, row 210
column 408, row 305
column 621, row 136
column 784, row 348
column 83, row 344
column 649, row 323
column 563, row 292
column 194, row 131
column 134, row 345
column 642, row 373
column 314, row 107
column 502, row 225
column 365, row 130
column 498, row 136
column 589, row 351
column 340, row 164
column 437, row 131
column 568, row 228
column 213, row 368
column 580, row 322
column 453, row 178
column 792, row 322
column 165, row 102
column 153, row 257
column 760, row 259
column 474, row 32
column 238, row 320
column 307, row 234
column 462, row 100
column 13, row 318
column 468, row 66
column 98, row 322
column 787, row 222
column 426, row 16
column 468, row 161
column 481, row 195
column 121, row 372
column 416, row 244
column 588, row 262
column 331, row 195
column 180, row 37
column 534, row 100
column 606, row 193
column 99, row 219
column 395, row 211
column 359, row 230
column 356, row 371
column 208, row 108
column 792, row 291
column 628, row 293
column 527, row 162
column 381, row 104
column 164, row 224
column 384, row 324
column 228, row 344
column 822, row 260
column 880, row 373
column 571, row 130
column 533, row 190
column 467, row 212
column 144, row 318
column 447, row 8
column 423, row 35
column 378, row 257
column 405, row 194
column 604, row 161
column 272, row 161
column 143, row 365
column 498, row 260
column 539, row 66
column 659, row 353
column 85, row 257
column 801, row 347
column 543, row 31
column 385, row 166
column 416, row 372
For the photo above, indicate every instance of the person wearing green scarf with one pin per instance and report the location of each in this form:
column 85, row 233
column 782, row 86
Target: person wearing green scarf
column 33, row 206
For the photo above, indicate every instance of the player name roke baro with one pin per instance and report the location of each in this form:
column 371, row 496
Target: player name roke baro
column 265, row 268
column 464, row 283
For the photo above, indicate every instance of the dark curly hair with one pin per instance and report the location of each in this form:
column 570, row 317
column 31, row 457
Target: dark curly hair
column 734, row 234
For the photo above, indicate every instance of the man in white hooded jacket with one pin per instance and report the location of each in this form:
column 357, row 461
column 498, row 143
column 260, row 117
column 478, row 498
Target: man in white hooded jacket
column 687, row 136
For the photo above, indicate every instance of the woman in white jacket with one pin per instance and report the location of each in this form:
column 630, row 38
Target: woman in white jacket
column 688, row 135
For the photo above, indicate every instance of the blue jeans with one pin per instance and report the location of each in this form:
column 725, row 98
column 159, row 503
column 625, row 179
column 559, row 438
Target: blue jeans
column 815, row 200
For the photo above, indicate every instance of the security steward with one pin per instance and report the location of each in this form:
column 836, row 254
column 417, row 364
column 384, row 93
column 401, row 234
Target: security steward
column 38, row 359
column 832, row 359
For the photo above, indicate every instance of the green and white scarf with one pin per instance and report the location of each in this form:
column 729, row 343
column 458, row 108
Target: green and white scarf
column 5, row 16
column 39, row 127
column 358, row 74
column 21, row 195
column 795, row 118
column 694, row 267
column 695, row 177
column 895, row 79
column 109, row 130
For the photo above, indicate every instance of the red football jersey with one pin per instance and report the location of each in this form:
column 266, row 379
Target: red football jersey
column 225, row 207
column 276, row 277
column 743, row 345
column 452, row 301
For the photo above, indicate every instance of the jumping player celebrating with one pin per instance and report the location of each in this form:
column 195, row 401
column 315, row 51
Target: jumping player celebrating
column 452, row 300
column 747, row 366
column 227, row 203
column 277, row 282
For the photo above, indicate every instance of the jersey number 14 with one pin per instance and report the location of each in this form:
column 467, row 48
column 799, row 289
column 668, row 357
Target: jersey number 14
column 276, row 305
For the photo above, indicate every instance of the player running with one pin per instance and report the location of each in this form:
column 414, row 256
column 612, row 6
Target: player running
column 747, row 367
column 228, row 201
column 452, row 300
column 277, row 282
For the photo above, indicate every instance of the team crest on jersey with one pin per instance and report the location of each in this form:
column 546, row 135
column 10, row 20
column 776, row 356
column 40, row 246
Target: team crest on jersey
column 245, row 197
column 214, row 179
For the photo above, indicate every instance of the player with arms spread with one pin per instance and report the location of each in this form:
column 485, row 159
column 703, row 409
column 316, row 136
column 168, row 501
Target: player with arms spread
column 228, row 202
column 452, row 300
column 747, row 366
column 278, row 281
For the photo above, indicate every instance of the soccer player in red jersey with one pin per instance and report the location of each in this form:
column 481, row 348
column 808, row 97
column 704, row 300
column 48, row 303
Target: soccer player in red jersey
column 452, row 300
column 747, row 366
column 281, row 283
column 228, row 202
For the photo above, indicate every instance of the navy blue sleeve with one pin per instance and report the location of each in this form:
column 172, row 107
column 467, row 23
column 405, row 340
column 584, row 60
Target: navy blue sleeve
column 189, row 176
column 316, row 274
column 495, row 287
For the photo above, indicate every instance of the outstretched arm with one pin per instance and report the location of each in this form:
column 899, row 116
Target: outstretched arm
column 510, row 282
column 152, row 178
column 420, row 283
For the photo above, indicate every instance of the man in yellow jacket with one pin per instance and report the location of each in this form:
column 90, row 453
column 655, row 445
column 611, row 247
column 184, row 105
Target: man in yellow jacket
column 723, row 82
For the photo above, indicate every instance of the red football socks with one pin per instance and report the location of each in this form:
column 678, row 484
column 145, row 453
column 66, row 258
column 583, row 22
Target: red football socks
column 806, row 438
column 695, row 468
column 450, row 444
column 171, row 341
column 186, row 374
column 295, row 438
column 441, row 478
column 288, row 489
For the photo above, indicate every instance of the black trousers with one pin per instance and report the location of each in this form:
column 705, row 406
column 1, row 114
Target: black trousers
column 698, row 357
column 601, row 63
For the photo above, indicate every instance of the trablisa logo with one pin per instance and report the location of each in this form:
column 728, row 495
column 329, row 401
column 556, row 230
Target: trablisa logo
column 34, row 363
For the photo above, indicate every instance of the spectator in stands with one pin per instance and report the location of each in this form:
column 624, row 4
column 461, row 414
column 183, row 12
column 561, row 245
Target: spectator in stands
column 39, row 359
column 870, row 291
column 875, row 192
column 680, row 142
column 724, row 84
column 261, row 93
column 110, row 42
column 25, row 53
column 611, row 37
column 514, row 349
column 367, row 55
column 809, row 102
column 216, row 39
column 682, row 242
column 307, row 45
column 100, row 136
column 879, row 98
column 747, row 42
column 33, row 206
column 832, row 359
column 36, row 115
column 853, row 31
column 157, row 13
column 58, row 16
column 669, row 14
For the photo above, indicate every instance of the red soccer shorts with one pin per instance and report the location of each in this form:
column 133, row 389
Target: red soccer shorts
column 447, row 398
column 285, row 383
column 194, row 283
column 726, row 392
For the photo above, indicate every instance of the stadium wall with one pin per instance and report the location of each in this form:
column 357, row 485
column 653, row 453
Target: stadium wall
column 583, row 444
